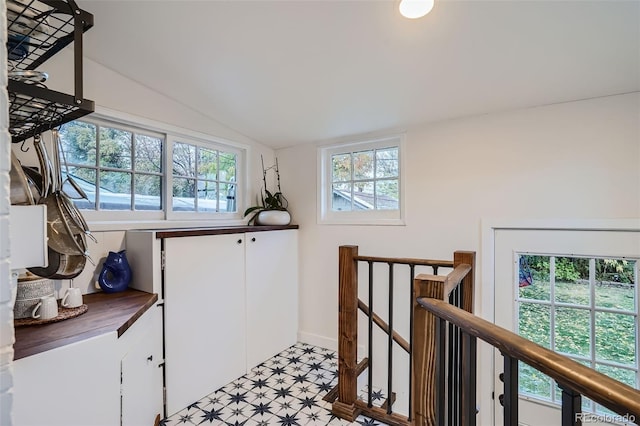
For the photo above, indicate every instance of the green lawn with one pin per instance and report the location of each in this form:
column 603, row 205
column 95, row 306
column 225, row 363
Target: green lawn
column 614, row 333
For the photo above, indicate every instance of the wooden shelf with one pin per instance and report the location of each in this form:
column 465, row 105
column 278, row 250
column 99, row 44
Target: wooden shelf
column 196, row 232
column 107, row 313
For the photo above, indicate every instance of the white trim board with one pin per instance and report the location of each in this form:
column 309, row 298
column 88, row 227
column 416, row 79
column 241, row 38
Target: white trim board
column 326, row 342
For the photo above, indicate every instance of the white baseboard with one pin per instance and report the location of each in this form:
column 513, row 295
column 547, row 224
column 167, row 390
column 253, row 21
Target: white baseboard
column 326, row 342
column 317, row 340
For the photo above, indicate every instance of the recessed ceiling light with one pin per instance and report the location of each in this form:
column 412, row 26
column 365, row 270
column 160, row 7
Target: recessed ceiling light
column 413, row 9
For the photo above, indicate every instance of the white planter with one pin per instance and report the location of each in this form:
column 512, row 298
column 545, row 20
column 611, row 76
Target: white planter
column 273, row 217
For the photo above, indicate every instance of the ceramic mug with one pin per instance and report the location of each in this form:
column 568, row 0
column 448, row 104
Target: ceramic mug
column 72, row 298
column 46, row 308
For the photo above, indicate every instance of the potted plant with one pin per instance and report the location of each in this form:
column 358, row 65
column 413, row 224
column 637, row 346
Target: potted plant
column 273, row 209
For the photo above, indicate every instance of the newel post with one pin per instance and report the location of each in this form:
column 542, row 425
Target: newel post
column 344, row 406
column 468, row 350
column 423, row 366
column 468, row 258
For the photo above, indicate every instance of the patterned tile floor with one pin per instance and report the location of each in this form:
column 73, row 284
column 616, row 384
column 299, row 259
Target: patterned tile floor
column 285, row 390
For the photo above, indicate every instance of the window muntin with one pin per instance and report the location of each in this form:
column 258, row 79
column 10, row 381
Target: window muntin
column 362, row 182
column 127, row 172
column 365, row 180
column 119, row 168
column 204, row 179
column 585, row 308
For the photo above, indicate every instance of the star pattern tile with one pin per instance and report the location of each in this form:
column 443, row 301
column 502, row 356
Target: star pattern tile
column 286, row 390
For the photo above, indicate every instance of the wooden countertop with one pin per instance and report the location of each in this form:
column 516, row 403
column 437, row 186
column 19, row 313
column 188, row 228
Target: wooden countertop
column 195, row 232
column 106, row 313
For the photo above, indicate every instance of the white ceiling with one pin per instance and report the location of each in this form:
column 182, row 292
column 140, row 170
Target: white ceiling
column 289, row 72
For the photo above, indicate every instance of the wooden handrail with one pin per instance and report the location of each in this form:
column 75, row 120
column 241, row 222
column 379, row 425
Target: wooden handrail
column 455, row 277
column 384, row 326
column 406, row 261
column 602, row 389
column 449, row 282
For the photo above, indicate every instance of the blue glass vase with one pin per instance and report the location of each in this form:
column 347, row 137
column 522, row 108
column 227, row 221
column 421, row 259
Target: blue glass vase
column 116, row 273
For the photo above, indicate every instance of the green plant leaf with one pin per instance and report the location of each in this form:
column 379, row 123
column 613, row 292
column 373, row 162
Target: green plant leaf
column 253, row 218
column 253, row 209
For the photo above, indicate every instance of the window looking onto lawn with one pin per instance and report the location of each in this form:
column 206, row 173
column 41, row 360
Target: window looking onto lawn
column 584, row 308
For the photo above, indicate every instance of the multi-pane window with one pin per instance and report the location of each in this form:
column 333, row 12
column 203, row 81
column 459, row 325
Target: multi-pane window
column 365, row 180
column 204, row 179
column 585, row 308
column 124, row 169
column 362, row 182
column 118, row 168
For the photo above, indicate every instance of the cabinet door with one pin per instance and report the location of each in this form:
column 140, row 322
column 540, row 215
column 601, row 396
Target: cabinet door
column 204, row 316
column 73, row 385
column 272, row 293
column 141, row 374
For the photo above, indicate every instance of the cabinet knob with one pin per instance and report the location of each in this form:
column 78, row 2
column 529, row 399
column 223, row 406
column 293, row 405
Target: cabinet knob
column 239, row 241
column 253, row 239
column 150, row 358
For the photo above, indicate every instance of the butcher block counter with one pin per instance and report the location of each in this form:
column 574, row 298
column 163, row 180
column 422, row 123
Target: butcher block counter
column 106, row 313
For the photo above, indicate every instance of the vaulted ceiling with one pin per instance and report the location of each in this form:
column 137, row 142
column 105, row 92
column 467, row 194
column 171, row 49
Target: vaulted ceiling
column 289, row 72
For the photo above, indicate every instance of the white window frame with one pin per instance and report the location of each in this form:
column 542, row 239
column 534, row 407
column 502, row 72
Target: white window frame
column 186, row 215
column 592, row 309
column 485, row 305
column 121, row 215
column 328, row 216
column 107, row 220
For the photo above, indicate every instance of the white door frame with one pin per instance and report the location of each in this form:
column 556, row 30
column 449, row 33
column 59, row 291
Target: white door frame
column 487, row 284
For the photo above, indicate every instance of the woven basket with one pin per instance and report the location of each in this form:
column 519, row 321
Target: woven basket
column 29, row 293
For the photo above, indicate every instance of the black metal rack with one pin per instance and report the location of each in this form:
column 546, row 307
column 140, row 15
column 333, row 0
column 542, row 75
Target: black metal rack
column 37, row 30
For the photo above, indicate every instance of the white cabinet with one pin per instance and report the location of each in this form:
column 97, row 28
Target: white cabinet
column 230, row 302
column 103, row 380
column 272, row 293
column 141, row 386
column 204, row 315
column 77, row 384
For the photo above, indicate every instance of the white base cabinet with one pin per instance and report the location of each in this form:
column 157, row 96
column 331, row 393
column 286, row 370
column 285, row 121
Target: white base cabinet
column 141, row 375
column 231, row 302
column 77, row 384
column 204, row 316
column 272, row 293
column 104, row 380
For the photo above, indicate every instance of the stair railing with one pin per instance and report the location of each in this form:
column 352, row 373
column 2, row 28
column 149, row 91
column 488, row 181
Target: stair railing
column 574, row 379
column 456, row 287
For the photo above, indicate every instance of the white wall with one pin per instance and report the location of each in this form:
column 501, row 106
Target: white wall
column 575, row 160
column 7, row 293
column 113, row 92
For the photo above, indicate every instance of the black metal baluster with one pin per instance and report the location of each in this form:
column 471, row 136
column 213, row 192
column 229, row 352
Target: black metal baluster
column 510, row 399
column 452, row 414
column 390, row 343
column 469, row 379
column 412, row 270
column 571, row 406
column 370, row 365
column 441, row 409
column 454, row 368
column 458, row 366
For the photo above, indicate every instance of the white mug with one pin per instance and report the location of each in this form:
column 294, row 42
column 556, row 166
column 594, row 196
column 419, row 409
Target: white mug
column 48, row 307
column 72, row 298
